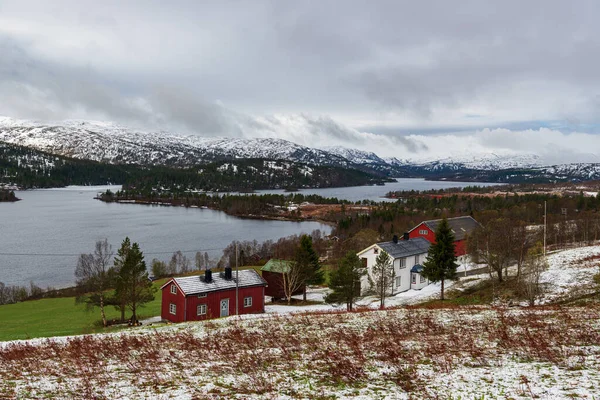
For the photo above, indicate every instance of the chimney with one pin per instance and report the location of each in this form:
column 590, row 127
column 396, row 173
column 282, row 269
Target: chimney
column 208, row 276
column 405, row 236
column 395, row 239
column 228, row 273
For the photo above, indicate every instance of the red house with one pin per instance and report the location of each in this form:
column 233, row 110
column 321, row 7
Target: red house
column 461, row 227
column 195, row 298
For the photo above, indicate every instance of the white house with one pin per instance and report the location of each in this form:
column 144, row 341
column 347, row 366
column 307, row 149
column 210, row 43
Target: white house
column 407, row 257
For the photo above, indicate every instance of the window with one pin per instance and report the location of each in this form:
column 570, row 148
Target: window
column 201, row 309
column 375, row 250
column 173, row 289
column 414, row 279
column 423, row 232
column 173, row 308
column 201, row 295
column 416, row 259
column 247, row 301
column 403, row 263
column 398, row 281
column 422, row 279
column 364, row 262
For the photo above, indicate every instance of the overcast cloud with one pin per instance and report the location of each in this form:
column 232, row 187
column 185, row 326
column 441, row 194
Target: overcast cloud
column 405, row 79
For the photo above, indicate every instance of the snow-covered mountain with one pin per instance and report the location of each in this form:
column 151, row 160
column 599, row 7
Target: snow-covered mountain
column 116, row 144
column 355, row 156
column 113, row 143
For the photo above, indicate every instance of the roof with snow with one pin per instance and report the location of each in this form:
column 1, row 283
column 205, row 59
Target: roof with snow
column 274, row 265
column 418, row 268
column 461, row 226
column 195, row 284
column 405, row 248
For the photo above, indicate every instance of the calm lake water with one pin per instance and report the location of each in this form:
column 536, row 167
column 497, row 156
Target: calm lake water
column 42, row 235
column 376, row 193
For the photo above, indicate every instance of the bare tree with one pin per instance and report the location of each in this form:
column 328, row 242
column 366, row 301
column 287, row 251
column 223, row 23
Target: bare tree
column 293, row 279
column 179, row 264
column 94, row 276
column 534, row 266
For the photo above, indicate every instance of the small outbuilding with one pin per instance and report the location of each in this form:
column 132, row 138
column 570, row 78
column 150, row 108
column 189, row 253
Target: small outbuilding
column 272, row 272
column 200, row 297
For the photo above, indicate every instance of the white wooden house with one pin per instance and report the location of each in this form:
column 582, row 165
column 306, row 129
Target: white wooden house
column 407, row 257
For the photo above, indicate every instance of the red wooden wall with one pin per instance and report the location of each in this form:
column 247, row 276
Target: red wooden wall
column 189, row 304
column 459, row 245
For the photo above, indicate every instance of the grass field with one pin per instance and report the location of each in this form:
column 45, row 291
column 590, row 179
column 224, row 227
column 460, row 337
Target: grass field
column 60, row 316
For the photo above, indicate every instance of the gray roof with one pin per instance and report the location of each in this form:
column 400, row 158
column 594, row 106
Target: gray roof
column 405, row 248
column 417, row 268
column 195, row 284
column 461, row 226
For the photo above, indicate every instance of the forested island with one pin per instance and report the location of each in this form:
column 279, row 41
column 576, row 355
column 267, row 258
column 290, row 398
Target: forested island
column 8, row 196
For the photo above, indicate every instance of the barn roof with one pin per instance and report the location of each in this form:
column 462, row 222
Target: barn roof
column 405, row 248
column 275, row 265
column 461, row 226
column 195, row 284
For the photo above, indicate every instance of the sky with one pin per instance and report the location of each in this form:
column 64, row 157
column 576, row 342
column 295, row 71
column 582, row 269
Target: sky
column 400, row 78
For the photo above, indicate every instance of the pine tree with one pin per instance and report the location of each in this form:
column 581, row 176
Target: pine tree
column 133, row 286
column 382, row 277
column 441, row 259
column 307, row 261
column 345, row 281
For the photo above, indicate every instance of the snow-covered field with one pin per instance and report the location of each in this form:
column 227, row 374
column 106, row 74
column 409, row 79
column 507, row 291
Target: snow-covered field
column 467, row 353
column 320, row 351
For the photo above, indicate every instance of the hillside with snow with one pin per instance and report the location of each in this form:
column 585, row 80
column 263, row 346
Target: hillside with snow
column 113, row 143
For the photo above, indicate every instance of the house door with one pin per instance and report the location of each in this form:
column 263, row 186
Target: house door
column 224, row 307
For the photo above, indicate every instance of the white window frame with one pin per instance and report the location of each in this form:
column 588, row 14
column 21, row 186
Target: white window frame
column 417, row 259
column 173, row 308
column 422, row 279
column 398, row 281
column 423, row 232
column 201, row 309
column 402, row 263
column 414, row 278
column 201, row 295
column 248, row 301
column 173, row 288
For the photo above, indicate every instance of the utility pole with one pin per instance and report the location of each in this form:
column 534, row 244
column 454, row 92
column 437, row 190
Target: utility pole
column 237, row 282
column 545, row 216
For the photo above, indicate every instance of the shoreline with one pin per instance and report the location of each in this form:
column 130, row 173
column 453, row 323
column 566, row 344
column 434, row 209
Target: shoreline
column 263, row 217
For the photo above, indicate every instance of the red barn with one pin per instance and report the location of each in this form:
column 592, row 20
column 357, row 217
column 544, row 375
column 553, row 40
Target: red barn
column 195, row 298
column 461, row 227
column 272, row 273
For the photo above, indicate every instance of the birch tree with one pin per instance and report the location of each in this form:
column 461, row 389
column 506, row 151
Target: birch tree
column 94, row 276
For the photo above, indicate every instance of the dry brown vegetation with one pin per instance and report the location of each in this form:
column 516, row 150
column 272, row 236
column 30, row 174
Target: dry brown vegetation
column 314, row 355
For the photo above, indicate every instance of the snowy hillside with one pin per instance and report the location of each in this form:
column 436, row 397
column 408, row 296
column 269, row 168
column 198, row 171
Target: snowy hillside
column 116, row 144
column 113, row 143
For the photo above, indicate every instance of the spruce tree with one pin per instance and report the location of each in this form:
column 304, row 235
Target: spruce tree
column 307, row 261
column 133, row 286
column 441, row 259
column 382, row 277
column 345, row 281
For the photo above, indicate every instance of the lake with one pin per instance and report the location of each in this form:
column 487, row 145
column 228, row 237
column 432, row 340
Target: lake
column 376, row 193
column 42, row 235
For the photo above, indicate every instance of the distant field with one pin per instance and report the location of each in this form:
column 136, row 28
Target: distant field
column 59, row 317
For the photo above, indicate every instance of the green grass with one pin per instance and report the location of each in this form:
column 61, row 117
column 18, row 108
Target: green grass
column 60, row 316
